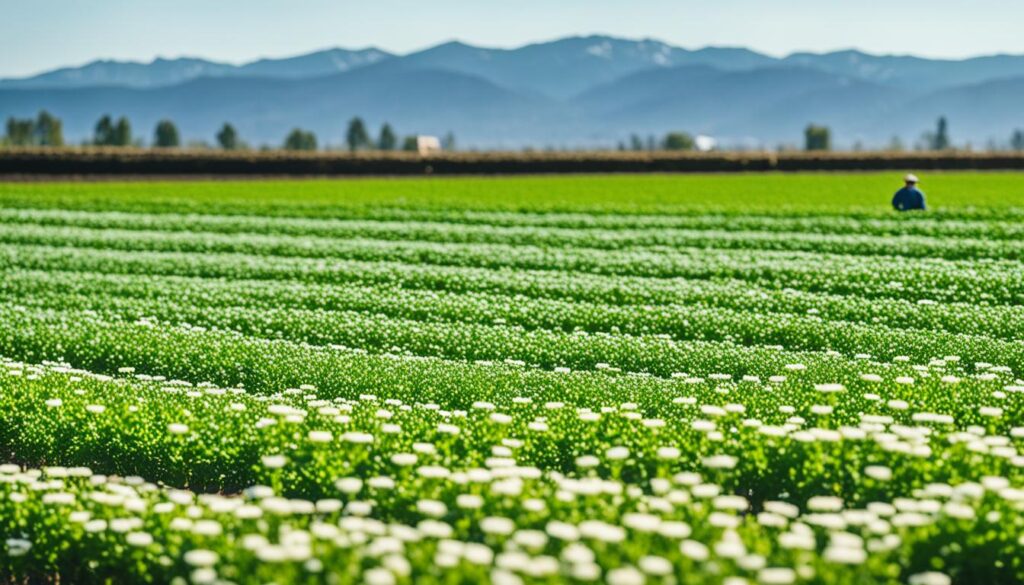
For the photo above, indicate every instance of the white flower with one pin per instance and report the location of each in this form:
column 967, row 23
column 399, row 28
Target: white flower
column 694, row 550
column 381, row 483
column 478, row 554
column 177, row 428
column 139, row 539
column 274, row 461
column 720, row 462
column 641, row 522
column 617, row 453
column 433, row 508
column 59, row 498
column 825, row 504
column 562, row 531
column 500, row 418
column 829, row 388
column 845, row 555
column 17, row 547
column 469, row 501
column 929, row 578
column 321, row 436
column 378, row 576
column 776, row 576
column 404, row 459
column 54, row 403
column 201, row 557
column 878, row 472
column 669, row 453
column 348, row 485
column 624, row 576
column 96, row 408
column 602, row 531
column 497, row 525
column 357, row 438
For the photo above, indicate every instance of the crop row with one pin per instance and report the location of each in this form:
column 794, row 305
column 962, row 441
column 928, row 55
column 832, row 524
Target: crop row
column 933, row 225
column 208, row 438
column 930, row 279
column 614, row 302
column 545, row 341
column 942, row 245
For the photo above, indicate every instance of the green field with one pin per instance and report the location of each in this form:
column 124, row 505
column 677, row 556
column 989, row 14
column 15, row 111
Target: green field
column 625, row 379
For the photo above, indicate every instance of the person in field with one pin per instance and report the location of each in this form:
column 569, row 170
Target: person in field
column 909, row 197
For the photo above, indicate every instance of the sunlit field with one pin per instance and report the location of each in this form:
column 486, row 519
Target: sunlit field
column 728, row 379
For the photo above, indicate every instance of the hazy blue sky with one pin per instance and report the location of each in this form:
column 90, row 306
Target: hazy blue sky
column 41, row 34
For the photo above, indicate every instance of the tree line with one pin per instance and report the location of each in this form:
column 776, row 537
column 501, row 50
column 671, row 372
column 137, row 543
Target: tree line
column 670, row 141
column 47, row 130
column 819, row 138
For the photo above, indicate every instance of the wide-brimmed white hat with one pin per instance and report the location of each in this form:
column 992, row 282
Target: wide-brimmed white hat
column 910, row 178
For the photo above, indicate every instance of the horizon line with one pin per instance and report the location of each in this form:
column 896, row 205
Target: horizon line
column 238, row 63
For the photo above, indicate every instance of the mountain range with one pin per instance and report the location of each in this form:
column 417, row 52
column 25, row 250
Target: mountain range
column 592, row 91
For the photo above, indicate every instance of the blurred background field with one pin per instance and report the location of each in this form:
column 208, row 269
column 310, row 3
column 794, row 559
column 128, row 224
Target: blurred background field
column 859, row 193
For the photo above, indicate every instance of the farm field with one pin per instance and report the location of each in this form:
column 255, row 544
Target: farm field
column 698, row 379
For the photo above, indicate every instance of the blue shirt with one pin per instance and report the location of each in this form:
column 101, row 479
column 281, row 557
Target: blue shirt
column 908, row 198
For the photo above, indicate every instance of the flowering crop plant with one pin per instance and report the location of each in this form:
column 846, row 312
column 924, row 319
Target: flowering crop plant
column 305, row 383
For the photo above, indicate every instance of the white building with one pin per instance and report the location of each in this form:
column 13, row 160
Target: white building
column 428, row 144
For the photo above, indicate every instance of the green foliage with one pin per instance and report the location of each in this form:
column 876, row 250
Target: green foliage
column 410, row 144
column 19, row 132
column 103, row 134
column 677, row 141
column 48, row 130
column 227, row 137
column 684, row 379
column 817, row 138
column 1017, row 140
column 122, row 135
column 107, row 133
column 387, row 140
column 299, row 139
column 939, row 140
column 356, row 137
column 45, row 130
column 166, row 135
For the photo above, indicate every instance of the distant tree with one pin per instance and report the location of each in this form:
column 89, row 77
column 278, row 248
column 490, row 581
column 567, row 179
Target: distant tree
column 357, row 138
column 448, row 142
column 677, row 141
column 227, row 138
column 635, row 142
column 45, row 130
column 817, row 138
column 299, row 139
column 652, row 143
column 1017, row 140
column 166, row 135
column 103, row 135
column 620, row 146
column 48, row 130
column 895, row 144
column 940, row 140
column 387, row 139
column 122, row 135
column 411, row 144
column 19, row 132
